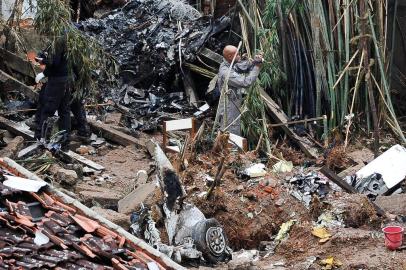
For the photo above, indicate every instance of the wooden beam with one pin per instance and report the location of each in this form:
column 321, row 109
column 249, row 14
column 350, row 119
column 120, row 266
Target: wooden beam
column 12, row 84
column 84, row 161
column 337, row 180
column 16, row 129
column 346, row 187
column 213, row 56
column 106, row 131
column 18, row 64
column 279, row 116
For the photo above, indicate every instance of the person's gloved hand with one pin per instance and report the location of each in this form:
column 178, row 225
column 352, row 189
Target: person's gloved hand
column 39, row 60
column 39, row 77
column 258, row 60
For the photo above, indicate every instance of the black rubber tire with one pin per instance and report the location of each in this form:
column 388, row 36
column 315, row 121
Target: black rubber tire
column 199, row 236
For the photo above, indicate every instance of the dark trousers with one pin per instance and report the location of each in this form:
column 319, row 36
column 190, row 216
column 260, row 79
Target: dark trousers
column 78, row 109
column 55, row 96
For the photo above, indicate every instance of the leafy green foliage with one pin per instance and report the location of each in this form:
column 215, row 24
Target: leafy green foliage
column 254, row 122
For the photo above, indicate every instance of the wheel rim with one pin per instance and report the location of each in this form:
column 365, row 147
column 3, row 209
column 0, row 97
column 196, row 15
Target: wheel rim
column 215, row 240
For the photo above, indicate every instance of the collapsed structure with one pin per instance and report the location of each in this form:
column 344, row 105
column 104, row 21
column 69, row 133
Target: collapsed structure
column 199, row 195
column 39, row 230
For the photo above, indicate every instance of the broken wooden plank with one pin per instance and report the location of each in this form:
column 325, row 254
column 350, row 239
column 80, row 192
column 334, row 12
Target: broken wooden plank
column 181, row 124
column 279, row 116
column 337, row 180
column 133, row 200
column 28, row 150
column 16, row 129
column 112, row 134
column 346, row 187
column 85, row 161
column 241, row 142
column 10, row 83
column 19, row 130
column 209, row 54
column 16, row 63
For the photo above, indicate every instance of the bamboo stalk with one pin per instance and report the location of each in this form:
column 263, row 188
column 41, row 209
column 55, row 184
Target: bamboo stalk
column 397, row 129
column 246, row 13
column 347, row 56
column 345, row 70
column 393, row 42
column 317, row 54
column 357, row 84
column 367, row 68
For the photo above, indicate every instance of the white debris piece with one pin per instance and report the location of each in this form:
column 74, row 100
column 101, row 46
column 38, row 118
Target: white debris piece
column 23, row 184
column 40, row 238
column 391, row 165
column 256, row 170
column 202, row 109
column 282, row 167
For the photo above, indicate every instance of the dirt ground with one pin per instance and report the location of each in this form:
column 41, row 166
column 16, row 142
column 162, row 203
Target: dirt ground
column 252, row 211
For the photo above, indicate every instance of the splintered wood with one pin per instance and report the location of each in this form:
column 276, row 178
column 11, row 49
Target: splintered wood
column 221, row 145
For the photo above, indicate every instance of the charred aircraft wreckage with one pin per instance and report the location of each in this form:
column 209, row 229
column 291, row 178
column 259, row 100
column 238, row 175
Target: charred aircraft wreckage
column 151, row 41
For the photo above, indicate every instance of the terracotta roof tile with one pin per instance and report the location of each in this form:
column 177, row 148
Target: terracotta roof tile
column 75, row 240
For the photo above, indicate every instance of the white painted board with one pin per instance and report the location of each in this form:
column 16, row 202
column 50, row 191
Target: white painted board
column 238, row 140
column 391, row 165
column 23, row 184
column 179, row 124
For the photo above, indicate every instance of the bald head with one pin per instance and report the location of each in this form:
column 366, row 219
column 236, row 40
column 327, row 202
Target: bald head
column 229, row 52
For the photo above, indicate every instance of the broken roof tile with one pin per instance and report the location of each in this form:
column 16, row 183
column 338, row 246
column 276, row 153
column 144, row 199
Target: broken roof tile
column 76, row 241
column 86, row 223
column 117, row 265
column 61, row 219
column 103, row 231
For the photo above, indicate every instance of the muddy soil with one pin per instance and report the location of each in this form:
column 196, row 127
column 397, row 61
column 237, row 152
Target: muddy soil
column 252, row 210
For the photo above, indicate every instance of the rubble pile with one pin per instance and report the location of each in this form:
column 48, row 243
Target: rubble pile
column 193, row 199
column 39, row 231
column 151, row 40
column 147, row 111
column 303, row 186
column 141, row 36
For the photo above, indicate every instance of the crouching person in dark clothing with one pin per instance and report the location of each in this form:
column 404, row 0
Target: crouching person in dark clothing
column 56, row 94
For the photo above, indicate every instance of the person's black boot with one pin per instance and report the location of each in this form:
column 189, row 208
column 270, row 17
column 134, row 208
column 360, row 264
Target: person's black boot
column 81, row 137
column 2, row 142
column 31, row 123
column 65, row 142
